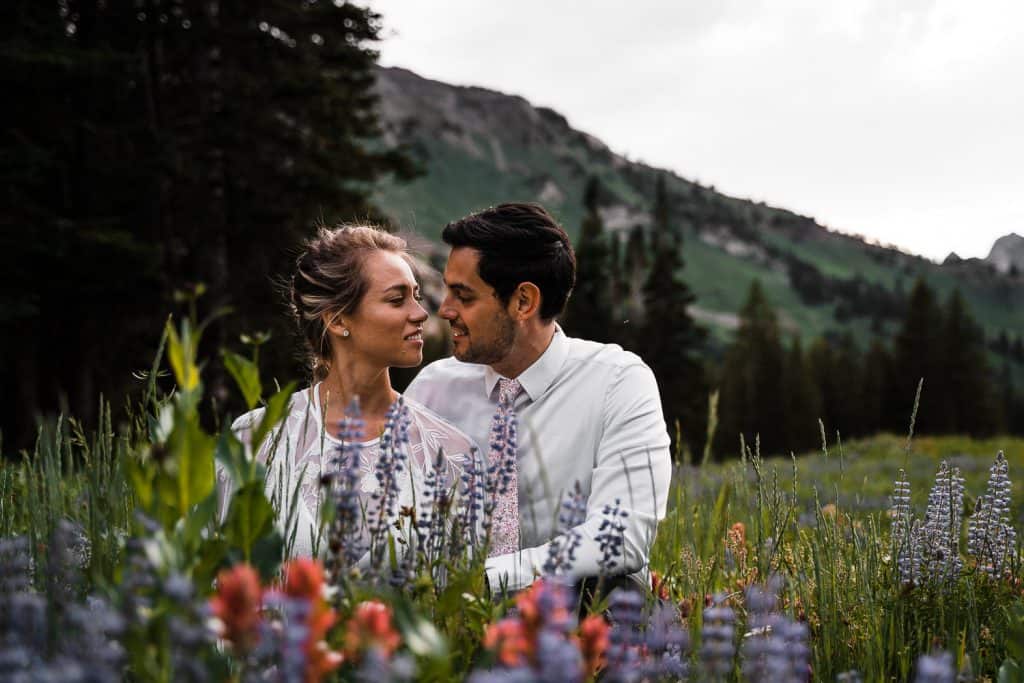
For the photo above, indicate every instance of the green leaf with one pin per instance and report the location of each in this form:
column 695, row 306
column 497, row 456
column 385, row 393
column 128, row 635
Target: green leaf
column 276, row 408
column 198, row 518
column 181, row 355
column 190, row 452
column 249, row 517
column 266, row 554
column 246, row 375
column 141, row 478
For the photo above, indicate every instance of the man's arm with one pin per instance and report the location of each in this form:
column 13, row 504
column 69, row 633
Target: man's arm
column 632, row 472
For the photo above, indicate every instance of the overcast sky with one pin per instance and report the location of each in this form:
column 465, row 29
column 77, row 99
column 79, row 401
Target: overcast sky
column 902, row 121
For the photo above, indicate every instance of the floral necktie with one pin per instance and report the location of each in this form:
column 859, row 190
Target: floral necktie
column 503, row 468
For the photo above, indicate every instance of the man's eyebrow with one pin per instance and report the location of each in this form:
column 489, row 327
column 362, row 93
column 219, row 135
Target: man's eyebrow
column 459, row 287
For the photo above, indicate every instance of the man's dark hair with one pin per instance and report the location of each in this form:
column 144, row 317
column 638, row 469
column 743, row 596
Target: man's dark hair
column 519, row 243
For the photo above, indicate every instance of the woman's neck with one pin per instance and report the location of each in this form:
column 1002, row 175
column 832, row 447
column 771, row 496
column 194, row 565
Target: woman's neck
column 345, row 382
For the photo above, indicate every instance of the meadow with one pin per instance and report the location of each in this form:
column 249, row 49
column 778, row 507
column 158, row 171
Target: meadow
column 887, row 558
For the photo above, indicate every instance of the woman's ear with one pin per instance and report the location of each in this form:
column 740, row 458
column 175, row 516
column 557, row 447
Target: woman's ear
column 525, row 301
column 334, row 323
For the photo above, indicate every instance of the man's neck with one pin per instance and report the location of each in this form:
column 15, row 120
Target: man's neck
column 531, row 345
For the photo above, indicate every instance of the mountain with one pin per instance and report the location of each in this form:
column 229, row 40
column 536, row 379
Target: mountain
column 1008, row 254
column 479, row 147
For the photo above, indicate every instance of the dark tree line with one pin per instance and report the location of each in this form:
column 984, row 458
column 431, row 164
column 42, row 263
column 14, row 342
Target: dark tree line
column 779, row 392
column 631, row 292
column 152, row 145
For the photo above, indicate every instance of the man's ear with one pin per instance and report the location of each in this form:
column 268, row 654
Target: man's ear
column 525, row 301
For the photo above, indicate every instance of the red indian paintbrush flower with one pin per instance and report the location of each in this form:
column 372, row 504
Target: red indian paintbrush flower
column 593, row 643
column 370, row 626
column 237, row 604
column 304, row 579
column 509, row 642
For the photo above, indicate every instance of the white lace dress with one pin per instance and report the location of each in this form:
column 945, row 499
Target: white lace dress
column 306, row 451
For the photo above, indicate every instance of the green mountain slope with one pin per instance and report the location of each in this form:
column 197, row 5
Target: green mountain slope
column 480, row 147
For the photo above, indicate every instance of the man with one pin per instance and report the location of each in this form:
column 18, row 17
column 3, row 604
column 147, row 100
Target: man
column 586, row 412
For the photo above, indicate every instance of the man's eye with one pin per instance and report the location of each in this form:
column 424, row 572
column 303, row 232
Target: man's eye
column 417, row 296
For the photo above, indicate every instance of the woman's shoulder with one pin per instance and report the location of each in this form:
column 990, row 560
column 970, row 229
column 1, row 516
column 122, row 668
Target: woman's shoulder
column 298, row 407
column 436, row 430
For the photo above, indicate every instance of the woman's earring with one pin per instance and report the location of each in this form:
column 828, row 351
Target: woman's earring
column 344, row 333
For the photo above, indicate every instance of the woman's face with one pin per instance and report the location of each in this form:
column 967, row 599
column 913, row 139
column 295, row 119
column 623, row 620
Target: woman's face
column 387, row 327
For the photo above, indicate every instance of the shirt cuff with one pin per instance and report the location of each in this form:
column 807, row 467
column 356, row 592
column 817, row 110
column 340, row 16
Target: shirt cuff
column 511, row 572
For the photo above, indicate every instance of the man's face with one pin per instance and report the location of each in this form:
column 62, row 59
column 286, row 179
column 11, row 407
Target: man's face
column 482, row 330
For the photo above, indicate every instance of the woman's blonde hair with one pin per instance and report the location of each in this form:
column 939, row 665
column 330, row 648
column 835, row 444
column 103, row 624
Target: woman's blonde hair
column 329, row 278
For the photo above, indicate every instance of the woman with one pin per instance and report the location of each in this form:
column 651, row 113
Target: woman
column 357, row 306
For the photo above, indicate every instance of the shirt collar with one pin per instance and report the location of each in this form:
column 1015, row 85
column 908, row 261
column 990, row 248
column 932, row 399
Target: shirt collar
column 536, row 379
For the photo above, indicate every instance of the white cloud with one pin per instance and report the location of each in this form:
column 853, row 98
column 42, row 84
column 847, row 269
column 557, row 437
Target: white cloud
column 901, row 121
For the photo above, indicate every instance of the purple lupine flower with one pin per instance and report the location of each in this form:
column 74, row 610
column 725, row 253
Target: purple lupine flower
column 562, row 549
column 558, row 658
column 610, row 536
column 717, row 648
column 935, row 668
column 991, row 539
column 391, row 461
column 472, row 494
column 625, row 610
column 344, row 535
column 902, row 547
column 941, row 526
column 667, row 643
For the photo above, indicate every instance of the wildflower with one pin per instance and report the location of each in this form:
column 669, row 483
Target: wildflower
column 508, row 640
column 610, row 536
column 593, row 643
column 658, row 587
column 902, row 546
column 990, row 537
column 545, row 605
column 390, row 462
column 558, row 658
column 304, row 581
column 344, row 535
column 237, row 605
column 935, row 668
column 370, row 627
column 562, row 548
column 717, row 634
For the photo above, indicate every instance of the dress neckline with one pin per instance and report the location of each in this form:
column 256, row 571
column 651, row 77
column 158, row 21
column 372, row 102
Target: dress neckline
column 318, row 415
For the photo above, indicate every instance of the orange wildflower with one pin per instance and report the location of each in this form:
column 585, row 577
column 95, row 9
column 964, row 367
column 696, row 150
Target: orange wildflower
column 533, row 615
column 508, row 640
column 370, row 626
column 593, row 643
column 658, row 586
column 237, row 604
column 304, row 579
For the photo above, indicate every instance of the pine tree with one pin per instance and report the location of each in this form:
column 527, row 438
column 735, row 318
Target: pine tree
column 671, row 341
column 917, row 354
column 969, row 405
column 590, row 312
column 802, row 400
column 874, row 385
column 751, row 381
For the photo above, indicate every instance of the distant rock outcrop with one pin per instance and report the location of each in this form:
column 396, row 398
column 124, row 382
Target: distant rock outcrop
column 1007, row 254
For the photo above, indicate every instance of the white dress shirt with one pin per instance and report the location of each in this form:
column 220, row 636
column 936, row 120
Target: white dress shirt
column 588, row 412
